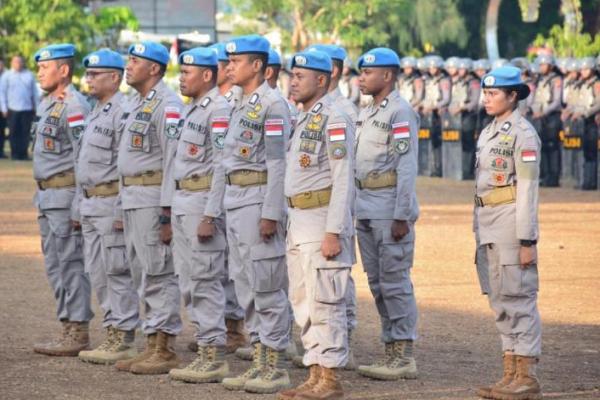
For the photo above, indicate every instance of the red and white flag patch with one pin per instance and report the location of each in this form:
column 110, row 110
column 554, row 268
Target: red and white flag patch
column 75, row 120
column 337, row 132
column 274, row 127
column 528, row 155
column 172, row 115
column 220, row 124
column 401, row 130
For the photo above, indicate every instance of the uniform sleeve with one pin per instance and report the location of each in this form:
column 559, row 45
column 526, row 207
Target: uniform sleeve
column 219, row 124
column 4, row 92
column 76, row 114
column 527, row 167
column 35, row 93
column 276, row 133
column 419, row 92
column 555, row 105
column 117, row 115
column 340, row 148
column 595, row 108
column 472, row 96
column 405, row 127
column 168, row 132
column 446, row 90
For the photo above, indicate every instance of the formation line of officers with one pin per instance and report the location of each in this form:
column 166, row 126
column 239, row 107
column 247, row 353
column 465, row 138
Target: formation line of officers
column 248, row 209
column 564, row 108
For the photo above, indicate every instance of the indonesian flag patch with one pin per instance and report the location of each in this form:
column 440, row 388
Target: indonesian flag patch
column 337, row 132
column 274, row 127
column 528, row 155
column 172, row 115
column 75, row 120
column 220, row 124
column 401, row 130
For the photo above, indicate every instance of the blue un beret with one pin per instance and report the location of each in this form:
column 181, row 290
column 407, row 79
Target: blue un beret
column 151, row 51
column 104, row 58
column 199, row 56
column 379, row 57
column 248, row 44
column 333, row 51
column 219, row 49
column 507, row 76
column 55, row 52
column 274, row 58
column 316, row 60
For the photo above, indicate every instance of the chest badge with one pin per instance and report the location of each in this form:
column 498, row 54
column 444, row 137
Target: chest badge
column 304, row 161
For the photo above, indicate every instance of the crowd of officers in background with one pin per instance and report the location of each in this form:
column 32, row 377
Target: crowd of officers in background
column 564, row 108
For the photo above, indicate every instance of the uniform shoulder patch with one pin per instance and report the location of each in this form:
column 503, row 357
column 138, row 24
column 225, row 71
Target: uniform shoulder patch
column 75, row 120
column 529, row 155
column 172, row 118
column 401, row 130
column 274, row 127
column 336, row 132
column 338, row 151
column 401, row 146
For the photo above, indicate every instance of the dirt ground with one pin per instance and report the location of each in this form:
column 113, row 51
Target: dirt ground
column 458, row 348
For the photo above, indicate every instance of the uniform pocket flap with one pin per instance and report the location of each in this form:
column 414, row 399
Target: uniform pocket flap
column 195, row 138
column 262, row 251
column 114, row 240
column 510, row 254
column 102, row 141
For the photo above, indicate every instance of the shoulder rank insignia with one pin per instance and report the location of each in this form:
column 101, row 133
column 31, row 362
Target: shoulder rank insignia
column 205, row 102
column 150, row 95
column 506, row 126
column 316, row 108
column 254, row 99
column 107, row 107
column 384, row 103
column 229, row 94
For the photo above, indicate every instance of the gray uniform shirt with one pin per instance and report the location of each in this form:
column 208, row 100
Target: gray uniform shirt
column 320, row 157
column 57, row 127
column 548, row 94
column 97, row 162
column 199, row 152
column 256, row 140
column 150, row 128
column 508, row 153
column 386, row 140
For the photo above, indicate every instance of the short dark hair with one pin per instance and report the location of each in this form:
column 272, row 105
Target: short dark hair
column 69, row 62
column 262, row 57
column 162, row 70
column 215, row 72
column 339, row 64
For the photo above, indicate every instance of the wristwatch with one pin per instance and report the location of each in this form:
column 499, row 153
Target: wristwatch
column 528, row 243
column 164, row 220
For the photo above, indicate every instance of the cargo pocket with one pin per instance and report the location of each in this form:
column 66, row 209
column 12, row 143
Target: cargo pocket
column 514, row 281
column 208, row 261
column 116, row 253
column 268, row 267
column 331, row 284
column 158, row 255
column 194, row 145
column 101, row 149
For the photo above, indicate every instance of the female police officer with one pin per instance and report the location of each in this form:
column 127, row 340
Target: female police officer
column 506, row 222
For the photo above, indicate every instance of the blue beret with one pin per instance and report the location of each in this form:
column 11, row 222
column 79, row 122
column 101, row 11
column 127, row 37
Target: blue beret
column 104, row 58
column 317, row 60
column 55, row 52
column 274, row 58
column 219, row 49
column 333, row 51
column 248, row 44
column 507, row 76
column 379, row 57
column 200, row 56
column 151, row 51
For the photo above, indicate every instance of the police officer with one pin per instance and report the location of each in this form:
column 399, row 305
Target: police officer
column 438, row 88
column 232, row 93
column 319, row 186
column 148, row 143
column 588, row 111
column 506, row 221
column 546, row 118
column 526, row 76
column 102, row 220
column 272, row 77
column 387, row 209
column 572, row 132
column 480, row 68
column 57, row 127
column 410, row 82
column 197, row 214
column 254, row 164
column 338, row 55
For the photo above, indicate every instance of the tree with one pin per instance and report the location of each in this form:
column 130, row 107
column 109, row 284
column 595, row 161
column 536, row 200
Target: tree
column 357, row 24
column 27, row 25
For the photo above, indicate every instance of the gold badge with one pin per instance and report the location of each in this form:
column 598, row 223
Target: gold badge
column 57, row 110
column 253, row 114
column 192, row 149
column 245, row 151
column 137, row 141
column 304, row 160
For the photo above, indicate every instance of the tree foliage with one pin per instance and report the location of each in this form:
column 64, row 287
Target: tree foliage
column 27, row 25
